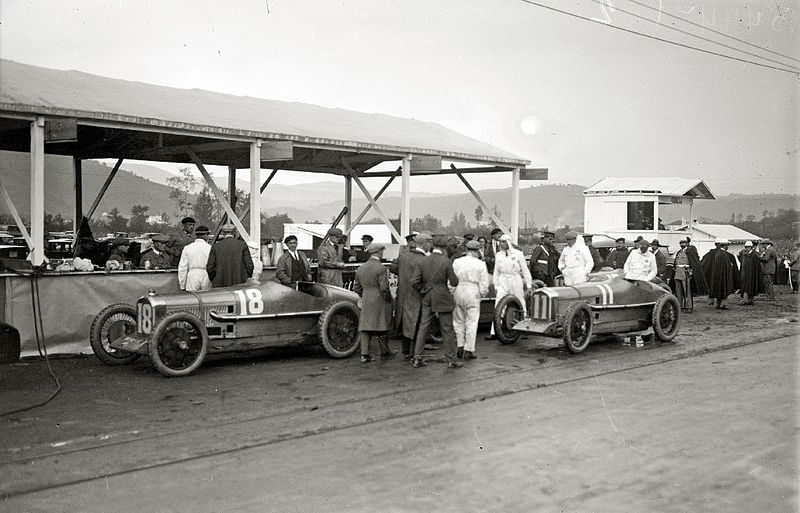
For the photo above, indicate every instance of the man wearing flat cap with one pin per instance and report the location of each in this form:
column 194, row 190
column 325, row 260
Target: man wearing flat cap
column 618, row 256
column 769, row 266
column 229, row 261
column 473, row 284
column 363, row 255
column 119, row 253
column 408, row 301
column 192, row 273
column 575, row 261
column 157, row 257
column 292, row 266
column 372, row 284
column 177, row 242
column 329, row 258
column 431, row 278
column 661, row 258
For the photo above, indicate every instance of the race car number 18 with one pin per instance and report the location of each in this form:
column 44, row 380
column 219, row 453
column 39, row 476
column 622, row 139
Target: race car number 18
column 250, row 301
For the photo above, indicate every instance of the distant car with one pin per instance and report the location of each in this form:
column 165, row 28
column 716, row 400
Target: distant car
column 606, row 304
column 178, row 330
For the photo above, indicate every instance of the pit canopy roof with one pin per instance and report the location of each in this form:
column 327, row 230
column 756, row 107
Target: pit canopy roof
column 124, row 119
column 663, row 186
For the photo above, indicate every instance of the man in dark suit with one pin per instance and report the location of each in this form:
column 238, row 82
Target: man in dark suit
column 408, row 304
column 229, row 261
column 431, row 278
column 491, row 249
column 292, row 266
column 618, row 256
column 372, row 284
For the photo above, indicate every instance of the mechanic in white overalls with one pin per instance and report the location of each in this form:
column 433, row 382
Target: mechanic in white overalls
column 576, row 260
column 473, row 284
column 511, row 274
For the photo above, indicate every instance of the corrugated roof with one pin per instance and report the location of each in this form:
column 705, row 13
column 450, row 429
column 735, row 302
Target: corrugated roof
column 664, row 186
column 32, row 89
column 725, row 231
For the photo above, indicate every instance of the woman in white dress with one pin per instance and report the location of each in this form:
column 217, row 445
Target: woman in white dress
column 511, row 274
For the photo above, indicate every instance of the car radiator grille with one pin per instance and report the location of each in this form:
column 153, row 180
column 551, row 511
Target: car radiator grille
column 541, row 306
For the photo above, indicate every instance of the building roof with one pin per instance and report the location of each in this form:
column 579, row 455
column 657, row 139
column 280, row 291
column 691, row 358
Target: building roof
column 26, row 89
column 724, row 231
column 663, row 186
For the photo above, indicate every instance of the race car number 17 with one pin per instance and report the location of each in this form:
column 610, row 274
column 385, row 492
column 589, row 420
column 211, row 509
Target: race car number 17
column 250, row 301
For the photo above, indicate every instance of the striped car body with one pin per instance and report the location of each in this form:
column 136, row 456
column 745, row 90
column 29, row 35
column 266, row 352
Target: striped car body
column 618, row 305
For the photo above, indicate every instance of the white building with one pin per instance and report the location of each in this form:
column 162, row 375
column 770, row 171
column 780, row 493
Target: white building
column 705, row 234
column 629, row 207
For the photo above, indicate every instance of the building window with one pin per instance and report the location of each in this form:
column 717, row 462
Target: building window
column 640, row 215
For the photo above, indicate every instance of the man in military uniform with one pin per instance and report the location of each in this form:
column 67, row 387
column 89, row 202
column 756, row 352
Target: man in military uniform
column 544, row 259
column 618, row 256
column 157, row 257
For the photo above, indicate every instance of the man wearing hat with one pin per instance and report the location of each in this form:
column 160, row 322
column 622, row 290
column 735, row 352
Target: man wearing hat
column 292, row 265
column 372, row 284
column 119, row 253
column 661, row 258
column 157, row 257
column 192, row 273
column 181, row 240
column 473, row 284
column 752, row 277
column 618, row 256
column 641, row 263
column 721, row 269
column 431, row 278
column 769, row 266
column 329, row 258
column 541, row 266
column 596, row 258
column 364, row 255
column 408, row 301
column 229, row 261
column 575, row 261
column 492, row 248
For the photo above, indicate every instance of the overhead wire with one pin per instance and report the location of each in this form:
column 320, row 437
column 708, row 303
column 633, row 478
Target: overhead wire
column 690, row 22
column 670, row 27
column 668, row 41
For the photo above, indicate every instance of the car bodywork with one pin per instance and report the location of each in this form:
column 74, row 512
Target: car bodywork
column 177, row 330
column 606, row 304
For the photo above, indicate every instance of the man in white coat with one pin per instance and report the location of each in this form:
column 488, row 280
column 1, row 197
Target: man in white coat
column 575, row 262
column 511, row 273
column 192, row 274
column 473, row 283
column 641, row 263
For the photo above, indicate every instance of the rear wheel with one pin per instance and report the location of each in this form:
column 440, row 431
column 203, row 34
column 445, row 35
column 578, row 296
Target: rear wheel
column 111, row 323
column 338, row 329
column 577, row 327
column 666, row 317
column 507, row 313
column 179, row 344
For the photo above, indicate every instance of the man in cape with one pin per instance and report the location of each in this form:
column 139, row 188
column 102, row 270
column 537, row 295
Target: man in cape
column 752, row 280
column 720, row 266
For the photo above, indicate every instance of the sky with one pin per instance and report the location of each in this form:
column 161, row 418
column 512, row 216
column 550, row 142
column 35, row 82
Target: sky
column 585, row 99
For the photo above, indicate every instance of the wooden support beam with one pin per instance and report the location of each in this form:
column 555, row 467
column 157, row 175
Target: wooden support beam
column 428, row 172
column 482, row 203
column 515, row 206
column 369, row 206
column 405, row 199
column 372, row 202
column 247, row 210
column 218, row 194
column 255, row 194
column 197, row 148
column 348, row 203
column 77, row 175
column 103, row 189
column 36, row 245
column 15, row 214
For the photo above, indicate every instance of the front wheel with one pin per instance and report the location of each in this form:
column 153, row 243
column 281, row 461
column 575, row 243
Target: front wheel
column 577, row 327
column 666, row 317
column 111, row 323
column 179, row 344
column 507, row 313
column 338, row 329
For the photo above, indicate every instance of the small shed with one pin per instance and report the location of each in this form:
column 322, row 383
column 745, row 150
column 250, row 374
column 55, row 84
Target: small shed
column 706, row 234
column 629, row 207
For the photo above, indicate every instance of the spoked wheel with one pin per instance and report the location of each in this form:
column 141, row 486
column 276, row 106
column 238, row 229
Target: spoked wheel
column 111, row 323
column 507, row 313
column 179, row 344
column 666, row 317
column 577, row 327
column 338, row 329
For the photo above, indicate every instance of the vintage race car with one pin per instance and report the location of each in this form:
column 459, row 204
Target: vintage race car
column 606, row 304
column 178, row 330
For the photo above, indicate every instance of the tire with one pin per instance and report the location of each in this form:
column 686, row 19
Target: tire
column 111, row 323
column 578, row 326
column 338, row 329
column 666, row 317
column 507, row 313
column 178, row 344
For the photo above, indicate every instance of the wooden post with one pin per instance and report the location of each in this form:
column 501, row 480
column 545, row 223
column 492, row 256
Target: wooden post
column 405, row 213
column 77, row 171
column 37, row 191
column 255, row 192
column 103, row 189
column 348, row 204
column 515, row 205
